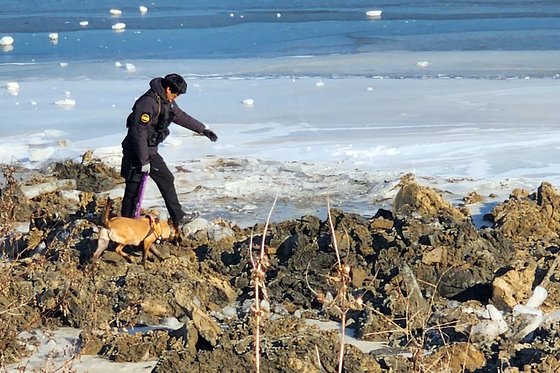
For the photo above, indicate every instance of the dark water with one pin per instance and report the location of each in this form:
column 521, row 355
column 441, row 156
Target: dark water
column 232, row 29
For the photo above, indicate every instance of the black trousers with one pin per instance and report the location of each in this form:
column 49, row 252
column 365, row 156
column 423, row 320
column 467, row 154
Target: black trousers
column 161, row 175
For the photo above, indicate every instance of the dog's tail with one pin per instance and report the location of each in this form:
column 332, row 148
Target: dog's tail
column 106, row 212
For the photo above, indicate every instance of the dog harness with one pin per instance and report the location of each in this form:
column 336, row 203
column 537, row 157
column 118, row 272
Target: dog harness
column 155, row 228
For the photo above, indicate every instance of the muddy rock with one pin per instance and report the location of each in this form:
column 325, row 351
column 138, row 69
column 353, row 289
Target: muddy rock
column 441, row 244
column 457, row 358
column 454, row 256
column 89, row 176
column 413, row 198
column 529, row 218
column 472, row 198
column 514, row 286
column 125, row 347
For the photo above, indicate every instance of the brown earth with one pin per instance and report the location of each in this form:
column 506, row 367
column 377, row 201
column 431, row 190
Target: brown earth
column 417, row 278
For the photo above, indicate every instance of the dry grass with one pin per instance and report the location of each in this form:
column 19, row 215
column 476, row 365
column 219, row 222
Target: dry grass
column 7, row 214
column 415, row 328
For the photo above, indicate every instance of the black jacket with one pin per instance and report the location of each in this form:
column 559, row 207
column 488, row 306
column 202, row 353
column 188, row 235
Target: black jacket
column 149, row 121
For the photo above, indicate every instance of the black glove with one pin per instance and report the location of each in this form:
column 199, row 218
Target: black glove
column 210, row 134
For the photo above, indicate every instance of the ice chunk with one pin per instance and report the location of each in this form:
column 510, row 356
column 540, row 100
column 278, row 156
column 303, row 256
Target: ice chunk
column 32, row 191
column 527, row 324
column 84, row 23
column 494, row 313
column 249, row 102
column 118, row 26
column 553, row 316
column 40, row 154
column 68, row 102
column 143, row 9
column 265, row 305
column 13, row 88
column 538, row 297
column 115, row 12
column 249, row 207
column 520, row 309
column 6, row 40
column 488, row 330
column 53, row 36
column 71, row 195
column 376, row 13
column 130, row 67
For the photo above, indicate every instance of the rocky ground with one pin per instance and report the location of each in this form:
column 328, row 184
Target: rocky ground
column 440, row 294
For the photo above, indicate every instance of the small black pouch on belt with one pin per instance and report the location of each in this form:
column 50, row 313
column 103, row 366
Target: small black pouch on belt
column 134, row 174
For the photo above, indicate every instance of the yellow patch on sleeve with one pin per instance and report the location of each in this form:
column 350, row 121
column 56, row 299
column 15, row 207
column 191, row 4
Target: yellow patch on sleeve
column 145, row 118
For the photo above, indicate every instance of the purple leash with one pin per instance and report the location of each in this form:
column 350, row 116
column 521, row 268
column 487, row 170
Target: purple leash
column 140, row 194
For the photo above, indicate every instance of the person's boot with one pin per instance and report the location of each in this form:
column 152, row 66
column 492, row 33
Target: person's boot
column 187, row 218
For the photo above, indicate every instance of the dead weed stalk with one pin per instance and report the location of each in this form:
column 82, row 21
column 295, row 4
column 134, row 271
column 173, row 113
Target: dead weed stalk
column 260, row 263
column 344, row 301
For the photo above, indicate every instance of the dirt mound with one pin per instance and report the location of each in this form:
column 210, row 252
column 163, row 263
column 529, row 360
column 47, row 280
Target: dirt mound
column 529, row 218
column 422, row 279
column 90, row 176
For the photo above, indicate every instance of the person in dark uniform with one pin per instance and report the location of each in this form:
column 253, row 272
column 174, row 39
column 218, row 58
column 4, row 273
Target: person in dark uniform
column 148, row 126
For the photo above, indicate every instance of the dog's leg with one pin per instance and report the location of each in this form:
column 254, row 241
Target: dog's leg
column 177, row 236
column 119, row 251
column 145, row 254
column 147, row 245
column 102, row 243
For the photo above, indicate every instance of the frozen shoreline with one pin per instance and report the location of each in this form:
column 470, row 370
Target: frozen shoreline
column 346, row 126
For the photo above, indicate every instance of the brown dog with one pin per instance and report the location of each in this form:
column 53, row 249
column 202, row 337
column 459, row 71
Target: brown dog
column 128, row 231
